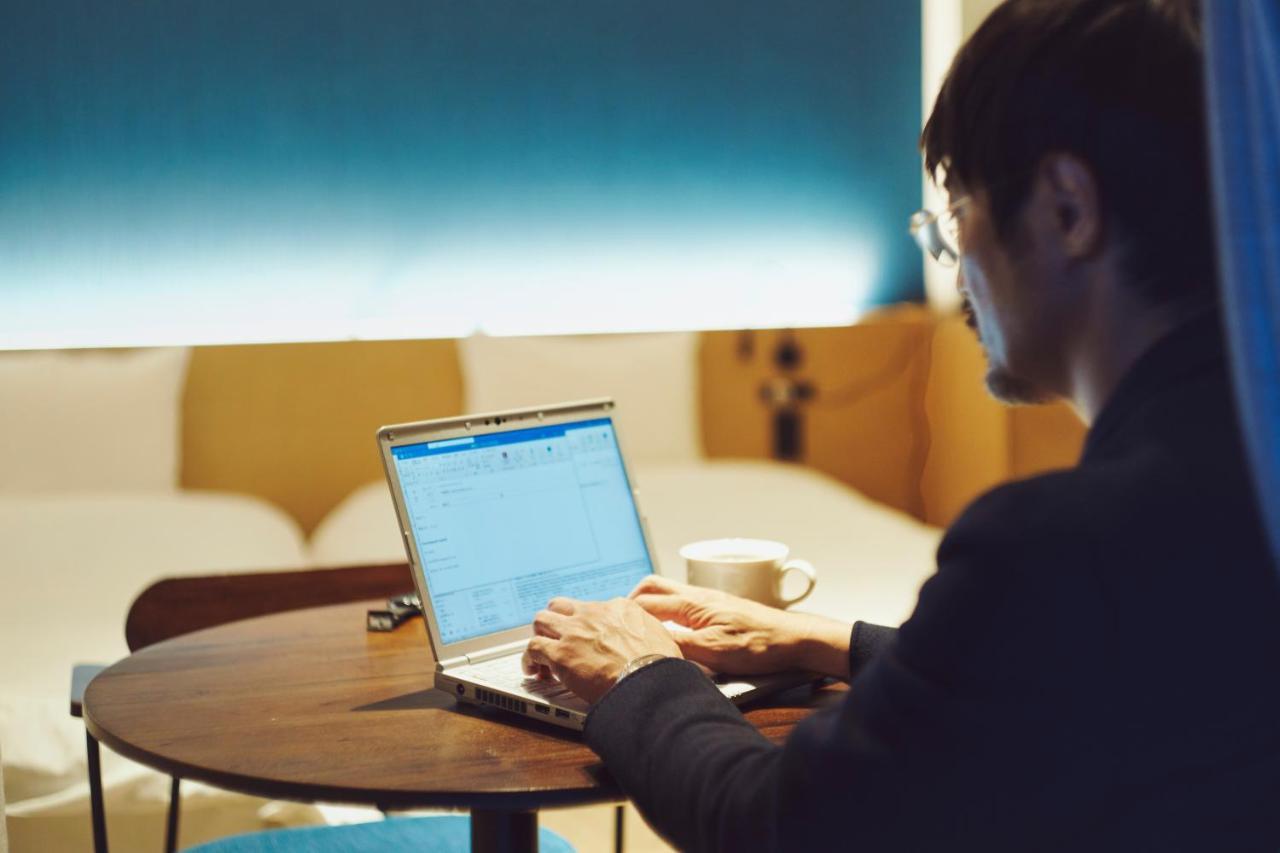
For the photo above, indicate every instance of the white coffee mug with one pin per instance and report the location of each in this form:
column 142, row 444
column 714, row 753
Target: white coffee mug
column 750, row 568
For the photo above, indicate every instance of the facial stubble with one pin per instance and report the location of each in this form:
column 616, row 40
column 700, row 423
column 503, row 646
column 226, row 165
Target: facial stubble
column 1002, row 384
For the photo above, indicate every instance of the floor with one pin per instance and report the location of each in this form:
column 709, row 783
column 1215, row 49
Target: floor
column 136, row 822
column 590, row 829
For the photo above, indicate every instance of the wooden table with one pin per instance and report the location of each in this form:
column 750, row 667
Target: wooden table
column 308, row 706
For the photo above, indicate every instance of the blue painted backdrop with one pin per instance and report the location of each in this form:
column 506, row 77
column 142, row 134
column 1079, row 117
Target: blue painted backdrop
column 203, row 171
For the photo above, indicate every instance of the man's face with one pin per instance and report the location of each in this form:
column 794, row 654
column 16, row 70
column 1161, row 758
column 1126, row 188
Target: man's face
column 1003, row 302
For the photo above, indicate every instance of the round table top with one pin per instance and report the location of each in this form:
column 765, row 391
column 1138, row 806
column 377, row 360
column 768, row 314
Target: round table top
column 307, row 705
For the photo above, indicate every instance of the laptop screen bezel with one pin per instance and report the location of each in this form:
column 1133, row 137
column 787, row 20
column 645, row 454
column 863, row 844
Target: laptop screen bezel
column 487, row 423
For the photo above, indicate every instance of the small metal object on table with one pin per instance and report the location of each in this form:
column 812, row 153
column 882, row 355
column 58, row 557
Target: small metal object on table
column 307, row 705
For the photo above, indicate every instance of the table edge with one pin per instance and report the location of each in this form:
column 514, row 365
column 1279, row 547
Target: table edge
column 514, row 800
column 604, row 791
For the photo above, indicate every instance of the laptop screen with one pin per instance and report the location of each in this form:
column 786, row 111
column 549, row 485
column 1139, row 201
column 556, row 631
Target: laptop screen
column 505, row 521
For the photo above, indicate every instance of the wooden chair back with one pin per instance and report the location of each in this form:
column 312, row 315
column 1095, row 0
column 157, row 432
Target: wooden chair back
column 174, row 606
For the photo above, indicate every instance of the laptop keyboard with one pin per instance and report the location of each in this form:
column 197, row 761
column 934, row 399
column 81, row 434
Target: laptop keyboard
column 507, row 674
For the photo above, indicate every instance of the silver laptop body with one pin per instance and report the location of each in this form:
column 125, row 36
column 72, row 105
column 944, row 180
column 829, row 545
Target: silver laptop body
column 500, row 512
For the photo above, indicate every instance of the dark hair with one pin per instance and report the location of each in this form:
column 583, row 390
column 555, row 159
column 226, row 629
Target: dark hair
column 1117, row 83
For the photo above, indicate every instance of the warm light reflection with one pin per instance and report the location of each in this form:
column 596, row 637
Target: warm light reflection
column 336, row 293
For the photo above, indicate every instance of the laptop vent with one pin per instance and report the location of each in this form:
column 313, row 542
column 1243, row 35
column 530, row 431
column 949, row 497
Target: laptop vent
column 501, row 701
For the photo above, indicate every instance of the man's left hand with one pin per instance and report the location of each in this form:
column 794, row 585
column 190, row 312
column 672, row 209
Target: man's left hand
column 587, row 644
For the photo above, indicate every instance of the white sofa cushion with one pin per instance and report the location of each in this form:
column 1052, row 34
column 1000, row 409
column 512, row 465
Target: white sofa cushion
column 871, row 559
column 70, row 566
column 80, row 421
column 362, row 529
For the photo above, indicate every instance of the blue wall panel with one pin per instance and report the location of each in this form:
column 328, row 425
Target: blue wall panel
column 203, row 171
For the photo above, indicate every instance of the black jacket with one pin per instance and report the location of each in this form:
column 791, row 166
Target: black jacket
column 1095, row 665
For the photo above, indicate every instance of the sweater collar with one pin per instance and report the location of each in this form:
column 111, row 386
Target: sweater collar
column 1192, row 346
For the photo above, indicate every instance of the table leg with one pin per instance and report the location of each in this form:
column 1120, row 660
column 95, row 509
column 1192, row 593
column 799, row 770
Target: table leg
column 95, row 795
column 503, row 832
column 171, row 826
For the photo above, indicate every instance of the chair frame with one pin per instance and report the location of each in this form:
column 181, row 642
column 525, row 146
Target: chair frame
column 180, row 605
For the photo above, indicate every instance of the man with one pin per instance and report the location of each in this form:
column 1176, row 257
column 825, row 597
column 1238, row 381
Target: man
column 1096, row 663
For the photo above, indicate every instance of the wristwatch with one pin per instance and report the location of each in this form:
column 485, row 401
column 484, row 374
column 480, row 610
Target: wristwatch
column 637, row 664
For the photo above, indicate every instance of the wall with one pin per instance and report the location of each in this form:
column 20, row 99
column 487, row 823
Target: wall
column 866, row 424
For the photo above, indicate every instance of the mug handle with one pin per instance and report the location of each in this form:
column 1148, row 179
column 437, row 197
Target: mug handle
column 806, row 569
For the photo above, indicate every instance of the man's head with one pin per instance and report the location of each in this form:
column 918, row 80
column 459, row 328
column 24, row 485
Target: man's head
column 1071, row 134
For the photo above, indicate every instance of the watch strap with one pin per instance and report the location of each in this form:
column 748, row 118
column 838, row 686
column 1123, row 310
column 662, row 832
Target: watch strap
column 637, row 664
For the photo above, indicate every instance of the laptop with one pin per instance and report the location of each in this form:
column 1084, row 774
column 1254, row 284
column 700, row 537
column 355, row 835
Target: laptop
column 501, row 512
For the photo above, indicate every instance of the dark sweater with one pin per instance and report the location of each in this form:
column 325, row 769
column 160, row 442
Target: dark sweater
column 1095, row 665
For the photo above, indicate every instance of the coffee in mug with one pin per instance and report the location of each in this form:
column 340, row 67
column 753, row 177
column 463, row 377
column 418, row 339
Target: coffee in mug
column 750, row 568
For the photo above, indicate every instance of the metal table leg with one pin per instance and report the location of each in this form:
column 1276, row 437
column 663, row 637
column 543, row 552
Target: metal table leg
column 95, row 795
column 171, row 826
column 504, row 832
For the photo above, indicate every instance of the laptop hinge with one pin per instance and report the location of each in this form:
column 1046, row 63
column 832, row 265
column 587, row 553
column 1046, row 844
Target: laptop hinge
column 497, row 651
column 450, row 663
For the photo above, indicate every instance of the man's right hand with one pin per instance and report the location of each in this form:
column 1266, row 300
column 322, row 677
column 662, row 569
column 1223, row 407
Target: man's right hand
column 736, row 635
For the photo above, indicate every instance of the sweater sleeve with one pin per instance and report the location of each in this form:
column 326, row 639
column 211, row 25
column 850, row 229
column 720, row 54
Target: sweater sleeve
column 866, row 642
column 677, row 745
column 964, row 729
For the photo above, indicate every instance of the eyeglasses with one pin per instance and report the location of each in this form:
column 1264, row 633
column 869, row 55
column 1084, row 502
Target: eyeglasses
column 938, row 233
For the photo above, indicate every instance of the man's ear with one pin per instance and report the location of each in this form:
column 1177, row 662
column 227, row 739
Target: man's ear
column 1076, row 215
